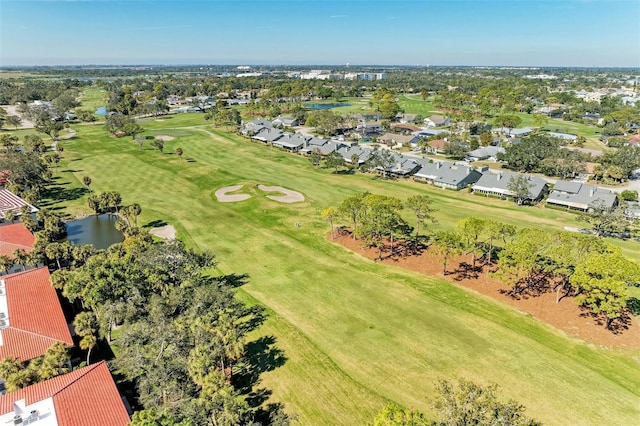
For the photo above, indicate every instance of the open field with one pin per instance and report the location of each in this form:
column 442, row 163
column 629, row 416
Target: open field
column 92, row 98
column 356, row 334
column 413, row 104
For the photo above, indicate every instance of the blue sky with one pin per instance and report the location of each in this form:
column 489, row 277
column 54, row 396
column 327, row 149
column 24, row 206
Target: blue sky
column 453, row 32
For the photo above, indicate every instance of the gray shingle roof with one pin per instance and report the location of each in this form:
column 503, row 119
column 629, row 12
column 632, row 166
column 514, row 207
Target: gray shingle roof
column 485, row 152
column 581, row 196
column 499, row 182
column 446, row 173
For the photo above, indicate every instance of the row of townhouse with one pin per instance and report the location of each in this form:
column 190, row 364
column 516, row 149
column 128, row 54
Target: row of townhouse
column 444, row 174
column 31, row 320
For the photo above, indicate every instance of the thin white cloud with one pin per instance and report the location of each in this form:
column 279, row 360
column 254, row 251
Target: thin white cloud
column 338, row 16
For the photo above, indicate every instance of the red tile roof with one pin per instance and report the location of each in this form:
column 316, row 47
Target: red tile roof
column 634, row 139
column 13, row 237
column 10, row 201
column 84, row 397
column 4, row 176
column 438, row 144
column 35, row 317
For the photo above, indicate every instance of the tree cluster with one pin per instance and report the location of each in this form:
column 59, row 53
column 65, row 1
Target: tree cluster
column 183, row 338
column 460, row 404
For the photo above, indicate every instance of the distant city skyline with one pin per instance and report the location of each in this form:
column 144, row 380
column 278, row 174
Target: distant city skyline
column 580, row 33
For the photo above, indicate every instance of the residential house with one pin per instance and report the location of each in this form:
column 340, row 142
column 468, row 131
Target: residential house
column 485, row 153
column 550, row 111
column 394, row 139
column 568, row 137
column 311, row 144
column 11, row 202
column 497, row 184
column 404, row 166
column 369, row 128
column 580, row 196
column 406, row 118
column 86, row 396
column 634, row 140
column 437, row 121
column 323, row 146
column 255, row 126
column 268, row 135
column 512, row 133
column 31, row 319
column 348, row 153
column 290, row 142
column 427, row 132
column 15, row 237
column 447, row 175
column 436, row 146
column 284, row 121
column 400, row 127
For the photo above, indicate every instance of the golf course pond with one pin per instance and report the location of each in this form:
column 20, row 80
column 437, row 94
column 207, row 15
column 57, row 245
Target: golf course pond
column 99, row 231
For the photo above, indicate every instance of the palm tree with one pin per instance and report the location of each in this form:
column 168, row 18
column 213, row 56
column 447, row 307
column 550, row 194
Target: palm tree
column 86, row 180
column 135, row 210
column 9, row 216
column 179, row 153
column 85, row 326
column 20, row 258
column 5, row 263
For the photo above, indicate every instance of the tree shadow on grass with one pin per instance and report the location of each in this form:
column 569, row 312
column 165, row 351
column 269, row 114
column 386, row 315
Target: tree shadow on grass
column 633, row 304
column 261, row 356
column 234, row 280
column 57, row 195
column 155, row 224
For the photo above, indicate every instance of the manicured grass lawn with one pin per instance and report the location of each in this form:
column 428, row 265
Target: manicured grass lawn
column 92, row 98
column 413, row 104
column 355, row 334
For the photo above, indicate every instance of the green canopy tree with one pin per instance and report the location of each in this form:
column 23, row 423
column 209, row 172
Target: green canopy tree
column 422, row 208
column 468, row 403
column 334, row 161
column 603, row 279
column 519, row 186
column 395, row 415
column 447, row 244
column 352, row 209
column 330, row 214
column 470, row 229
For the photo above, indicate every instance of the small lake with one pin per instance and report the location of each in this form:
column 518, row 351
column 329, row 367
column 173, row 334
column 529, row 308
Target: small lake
column 326, row 106
column 101, row 111
column 100, row 231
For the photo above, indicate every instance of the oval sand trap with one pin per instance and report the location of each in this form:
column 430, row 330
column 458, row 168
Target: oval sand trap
column 223, row 197
column 165, row 138
column 288, row 196
column 166, row 232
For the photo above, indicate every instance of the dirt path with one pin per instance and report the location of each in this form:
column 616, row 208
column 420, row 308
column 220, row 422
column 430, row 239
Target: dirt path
column 565, row 315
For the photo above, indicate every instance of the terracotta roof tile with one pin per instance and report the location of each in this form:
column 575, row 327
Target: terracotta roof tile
column 84, row 397
column 10, row 201
column 438, row 144
column 35, row 317
column 13, row 237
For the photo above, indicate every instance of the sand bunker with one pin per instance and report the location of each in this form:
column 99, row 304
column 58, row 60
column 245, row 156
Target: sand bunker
column 223, row 197
column 166, row 232
column 165, row 138
column 288, row 197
